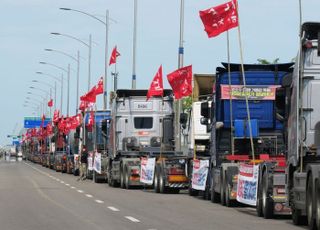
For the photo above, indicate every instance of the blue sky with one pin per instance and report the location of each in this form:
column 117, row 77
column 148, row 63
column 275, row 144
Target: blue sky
column 269, row 30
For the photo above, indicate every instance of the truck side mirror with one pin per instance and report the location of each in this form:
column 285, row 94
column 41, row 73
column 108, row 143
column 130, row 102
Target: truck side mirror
column 318, row 43
column 205, row 109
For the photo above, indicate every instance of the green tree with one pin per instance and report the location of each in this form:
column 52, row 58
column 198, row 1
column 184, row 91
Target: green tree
column 187, row 103
column 266, row 62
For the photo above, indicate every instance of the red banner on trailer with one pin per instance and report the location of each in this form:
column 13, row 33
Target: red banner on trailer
column 254, row 92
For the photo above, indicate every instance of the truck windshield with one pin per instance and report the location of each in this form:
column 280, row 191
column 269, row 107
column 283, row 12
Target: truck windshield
column 143, row 122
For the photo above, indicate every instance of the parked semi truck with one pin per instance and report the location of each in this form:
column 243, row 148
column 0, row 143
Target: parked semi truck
column 303, row 165
column 198, row 135
column 142, row 128
column 226, row 116
column 97, row 140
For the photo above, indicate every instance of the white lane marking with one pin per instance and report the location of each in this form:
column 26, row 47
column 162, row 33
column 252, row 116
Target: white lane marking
column 62, row 182
column 88, row 195
column 73, row 187
column 132, row 219
column 99, row 201
column 67, row 184
column 113, row 209
column 80, row 191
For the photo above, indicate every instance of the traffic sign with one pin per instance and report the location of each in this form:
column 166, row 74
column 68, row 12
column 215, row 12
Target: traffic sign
column 34, row 122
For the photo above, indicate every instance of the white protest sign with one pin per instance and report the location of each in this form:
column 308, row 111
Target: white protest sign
column 147, row 170
column 247, row 188
column 200, row 174
column 97, row 162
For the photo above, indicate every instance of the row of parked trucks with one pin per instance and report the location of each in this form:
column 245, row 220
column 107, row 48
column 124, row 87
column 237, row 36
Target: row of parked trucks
column 262, row 115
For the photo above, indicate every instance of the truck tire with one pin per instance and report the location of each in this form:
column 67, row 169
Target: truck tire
column 267, row 202
column 317, row 196
column 206, row 194
column 192, row 192
column 222, row 190
column 126, row 178
column 156, row 180
column 259, row 199
column 215, row 197
column 94, row 177
column 310, row 204
column 162, row 182
column 121, row 177
column 229, row 202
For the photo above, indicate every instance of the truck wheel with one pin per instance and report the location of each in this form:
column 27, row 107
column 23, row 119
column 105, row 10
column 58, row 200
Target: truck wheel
column 317, row 194
column 76, row 172
column 259, row 200
column 215, row 197
column 192, row 192
column 126, row 178
column 267, row 202
column 206, row 194
column 156, row 180
column 94, row 177
column 162, row 183
column 310, row 203
column 121, row 177
column 222, row 190
column 229, row 202
column 111, row 183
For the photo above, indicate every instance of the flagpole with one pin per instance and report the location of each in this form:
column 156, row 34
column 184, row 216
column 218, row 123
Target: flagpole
column 134, row 44
column 50, row 106
column 230, row 96
column 180, row 65
column 244, row 84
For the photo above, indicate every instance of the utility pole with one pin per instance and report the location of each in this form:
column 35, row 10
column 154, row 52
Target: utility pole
column 134, row 76
column 180, row 65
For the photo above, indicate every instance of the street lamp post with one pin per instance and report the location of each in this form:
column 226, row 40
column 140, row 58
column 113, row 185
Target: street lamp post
column 42, row 97
column 51, row 87
column 134, row 76
column 106, row 23
column 68, row 73
column 89, row 53
column 61, row 84
column 78, row 70
column 45, row 99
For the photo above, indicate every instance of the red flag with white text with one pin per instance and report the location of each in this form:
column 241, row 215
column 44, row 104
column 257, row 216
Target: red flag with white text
column 219, row 19
column 181, row 82
column 156, row 86
column 114, row 55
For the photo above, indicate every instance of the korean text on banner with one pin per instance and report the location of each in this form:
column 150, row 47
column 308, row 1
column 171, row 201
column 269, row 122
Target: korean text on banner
column 200, row 174
column 147, row 170
column 247, row 188
column 97, row 162
column 90, row 161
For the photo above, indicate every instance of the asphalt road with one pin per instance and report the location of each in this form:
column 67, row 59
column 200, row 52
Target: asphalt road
column 35, row 198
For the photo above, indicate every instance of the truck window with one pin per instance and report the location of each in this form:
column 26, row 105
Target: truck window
column 143, row 122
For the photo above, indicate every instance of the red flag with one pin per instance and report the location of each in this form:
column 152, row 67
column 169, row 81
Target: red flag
column 219, row 19
column 181, row 82
column 56, row 115
column 156, row 86
column 99, row 87
column 49, row 129
column 90, row 96
column 50, row 103
column 90, row 120
column 114, row 55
